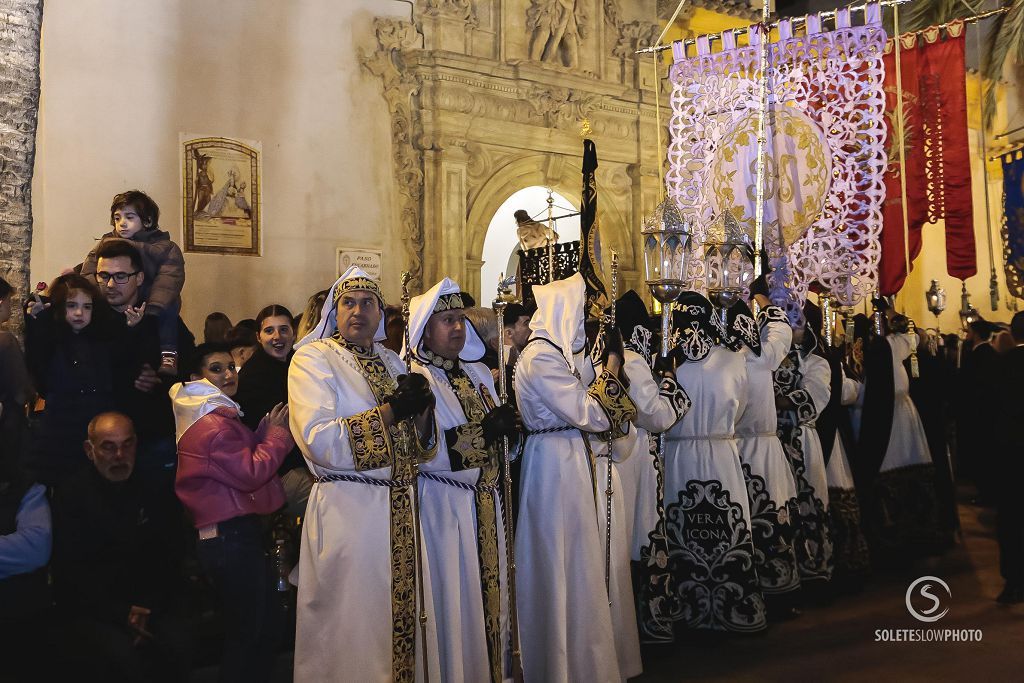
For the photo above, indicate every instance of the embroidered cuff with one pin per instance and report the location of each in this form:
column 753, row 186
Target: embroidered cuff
column 744, row 328
column 803, row 405
column 771, row 314
column 466, row 446
column 369, row 440
column 670, row 388
column 617, row 404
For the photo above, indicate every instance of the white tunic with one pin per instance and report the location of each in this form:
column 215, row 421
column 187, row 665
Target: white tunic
column 344, row 609
column 702, row 448
column 756, row 433
column 563, row 607
column 765, row 462
column 449, row 521
column 908, row 443
column 813, row 544
column 654, row 411
column 817, row 382
column 838, row 472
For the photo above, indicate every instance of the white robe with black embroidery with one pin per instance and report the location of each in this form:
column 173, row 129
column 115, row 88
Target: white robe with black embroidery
column 800, row 440
column 770, row 484
column 346, row 629
column 708, row 515
column 450, row 531
column 849, row 546
column 658, row 408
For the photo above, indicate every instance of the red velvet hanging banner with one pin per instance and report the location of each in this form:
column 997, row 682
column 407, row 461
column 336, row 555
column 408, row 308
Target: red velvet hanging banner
column 938, row 173
column 892, row 268
column 945, row 73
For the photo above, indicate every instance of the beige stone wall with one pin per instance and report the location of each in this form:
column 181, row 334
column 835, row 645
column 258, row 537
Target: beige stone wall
column 121, row 79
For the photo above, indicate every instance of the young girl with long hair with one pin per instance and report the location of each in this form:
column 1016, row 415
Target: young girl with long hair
column 76, row 366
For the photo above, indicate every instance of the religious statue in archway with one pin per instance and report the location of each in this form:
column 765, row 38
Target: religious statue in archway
column 533, row 234
column 556, row 29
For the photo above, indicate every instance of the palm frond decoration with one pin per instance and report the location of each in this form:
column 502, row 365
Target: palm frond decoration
column 919, row 15
column 1005, row 40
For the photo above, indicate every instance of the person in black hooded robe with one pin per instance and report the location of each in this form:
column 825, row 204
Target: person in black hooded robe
column 1010, row 468
column 849, row 547
column 977, row 389
column 930, row 393
column 893, row 468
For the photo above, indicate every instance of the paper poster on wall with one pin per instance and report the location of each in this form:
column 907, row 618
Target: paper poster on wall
column 367, row 259
column 221, row 194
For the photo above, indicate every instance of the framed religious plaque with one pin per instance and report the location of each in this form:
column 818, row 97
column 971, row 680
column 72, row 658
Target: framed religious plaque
column 221, row 195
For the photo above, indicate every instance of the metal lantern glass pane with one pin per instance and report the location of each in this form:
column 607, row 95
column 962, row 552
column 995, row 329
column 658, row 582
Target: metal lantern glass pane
column 729, row 268
column 736, row 270
column 936, row 298
column 652, row 258
column 714, row 267
column 666, row 249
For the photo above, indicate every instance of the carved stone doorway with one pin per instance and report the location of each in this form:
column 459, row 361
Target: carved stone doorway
column 476, row 117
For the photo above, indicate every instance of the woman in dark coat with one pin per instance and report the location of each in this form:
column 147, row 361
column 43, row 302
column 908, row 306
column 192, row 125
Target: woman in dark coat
column 263, row 383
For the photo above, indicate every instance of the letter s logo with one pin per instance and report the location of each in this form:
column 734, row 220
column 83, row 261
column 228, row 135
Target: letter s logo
column 927, row 584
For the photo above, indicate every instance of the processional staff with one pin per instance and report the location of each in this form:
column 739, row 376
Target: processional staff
column 609, row 321
column 504, row 298
column 410, row 444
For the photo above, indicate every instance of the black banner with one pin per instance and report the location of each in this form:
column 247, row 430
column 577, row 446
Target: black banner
column 590, row 248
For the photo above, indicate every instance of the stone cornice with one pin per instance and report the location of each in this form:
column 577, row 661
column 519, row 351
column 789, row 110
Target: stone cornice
column 732, row 8
column 486, row 73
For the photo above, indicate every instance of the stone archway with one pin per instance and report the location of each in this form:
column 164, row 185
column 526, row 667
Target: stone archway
column 562, row 174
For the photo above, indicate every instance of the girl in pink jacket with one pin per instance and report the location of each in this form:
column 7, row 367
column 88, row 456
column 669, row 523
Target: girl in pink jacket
column 227, row 478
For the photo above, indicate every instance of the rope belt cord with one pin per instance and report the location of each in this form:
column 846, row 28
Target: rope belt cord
column 703, row 437
column 389, row 483
column 550, row 430
column 757, row 435
column 493, row 488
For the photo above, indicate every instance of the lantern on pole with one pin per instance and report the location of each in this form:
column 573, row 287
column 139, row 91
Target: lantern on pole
column 936, row 300
column 968, row 313
column 667, row 243
column 729, row 262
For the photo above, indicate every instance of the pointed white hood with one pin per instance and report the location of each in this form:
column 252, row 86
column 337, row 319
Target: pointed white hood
column 422, row 307
column 560, row 312
column 328, row 324
column 193, row 400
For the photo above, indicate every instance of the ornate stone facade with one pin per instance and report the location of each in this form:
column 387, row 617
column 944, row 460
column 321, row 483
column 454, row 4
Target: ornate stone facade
column 487, row 97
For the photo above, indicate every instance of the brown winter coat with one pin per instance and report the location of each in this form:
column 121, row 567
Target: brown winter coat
column 162, row 262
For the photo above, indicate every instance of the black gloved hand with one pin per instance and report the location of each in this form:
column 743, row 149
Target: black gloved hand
column 612, row 344
column 412, row 397
column 498, row 423
column 664, row 365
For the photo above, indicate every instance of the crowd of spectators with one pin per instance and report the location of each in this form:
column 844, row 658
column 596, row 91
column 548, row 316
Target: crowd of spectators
column 150, row 489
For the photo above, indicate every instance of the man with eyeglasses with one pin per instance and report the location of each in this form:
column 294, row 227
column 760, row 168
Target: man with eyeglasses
column 116, row 559
column 119, row 276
